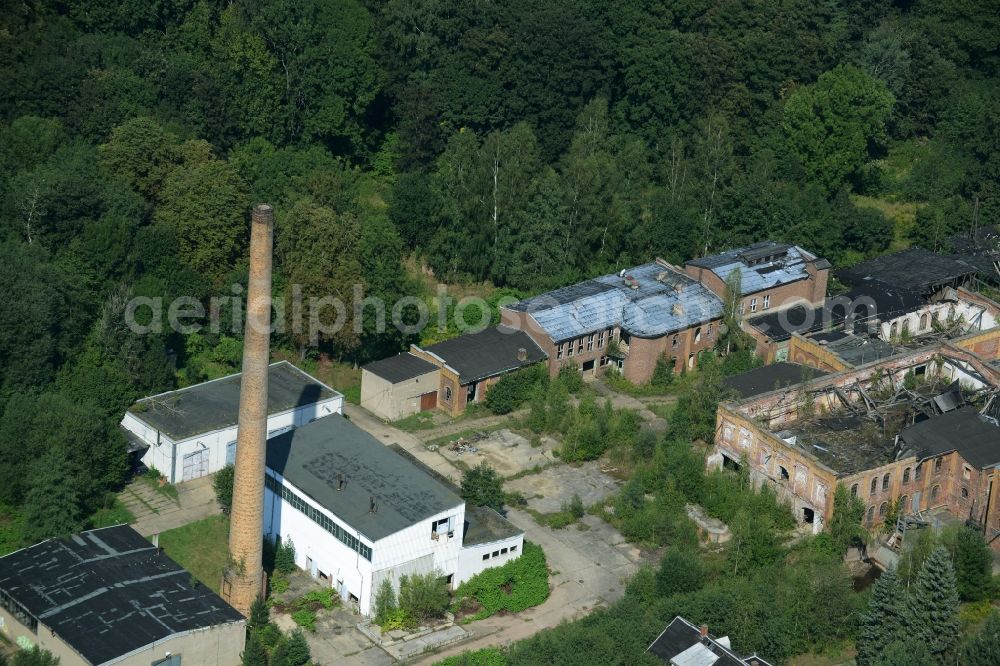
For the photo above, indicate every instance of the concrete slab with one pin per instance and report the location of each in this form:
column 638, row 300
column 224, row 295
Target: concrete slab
column 430, row 641
column 548, row 490
column 506, row 451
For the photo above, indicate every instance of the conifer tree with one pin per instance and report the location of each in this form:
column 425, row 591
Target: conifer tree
column 254, row 653
column 932, row 612
column 52, row 506
column 983, row 648
column 882, row 624
column 259, row 615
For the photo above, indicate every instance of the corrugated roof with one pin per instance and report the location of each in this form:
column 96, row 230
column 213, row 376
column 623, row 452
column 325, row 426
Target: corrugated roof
column 762, row 265
column 663, row 300
column 400, row 367
column 109, row 591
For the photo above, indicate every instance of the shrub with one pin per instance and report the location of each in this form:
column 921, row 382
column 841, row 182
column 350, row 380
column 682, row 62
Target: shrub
column 663, row 373
column 323, row 598
column 223, row 485
column 385, row 602
column 513, row 389
column 486, row 657
column 571, row 377
column 482, row 486
column 293, row 651
column 518, row 584
column 284, row 556
column 574, row 507
column 279, row 584
column 397, row 618
column 423, row 596
column 305, row 618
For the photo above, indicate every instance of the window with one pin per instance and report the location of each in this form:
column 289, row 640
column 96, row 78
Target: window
column 923, row 321
column 569, row 348
column 590, row 342
column 559, row 351
column 906, row 326
column 579, row 346
column 600, row 339
column 496, row 553
column 871, row 514
column 965, row 493
column 937, row 465
column 709, row 332
column 906, row 475
column 882, row 508
column 447, row 394
column 503, row 551
column 885, row 481
column 753, row 305
column 676, row 342
column 935, row 491
column 966, row 472
column 697, row 334
column 874, row 486
column 894, row 330
column 918, row 472
column 486, row 556
column 767, row 301
column 784, row 473
column 690, row 361
column 854, row 490
column 513, row 548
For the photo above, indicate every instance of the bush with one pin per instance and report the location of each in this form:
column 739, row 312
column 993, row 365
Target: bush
column 482, row 486
column 574, row 507
column 680, row 571
column 513, row 587
column 423, row 596
column 284, row 556
column 223, row 485
column 571, row 377
column 324, row 598
column 293, row 651
column 513, row 389
column 279, row 584
column 305, row 619
column 397, row 618
column 385, row 601
column 663, row 373
column 485, row 657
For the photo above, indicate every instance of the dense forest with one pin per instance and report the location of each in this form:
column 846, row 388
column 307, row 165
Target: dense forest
column 525, row 144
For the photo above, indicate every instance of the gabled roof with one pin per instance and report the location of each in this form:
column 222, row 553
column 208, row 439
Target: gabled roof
column 312, row 456
column 400, row 367
column 682, row 644
column 914, row 269
column 215, row 404
column 109, row 591
column 770, row 378
column 976, row 438
column 490, row 352
column 762, row 265
column 647, row 301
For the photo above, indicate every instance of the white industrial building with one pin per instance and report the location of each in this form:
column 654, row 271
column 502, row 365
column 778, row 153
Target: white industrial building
column 358, row 512
column 191, row 432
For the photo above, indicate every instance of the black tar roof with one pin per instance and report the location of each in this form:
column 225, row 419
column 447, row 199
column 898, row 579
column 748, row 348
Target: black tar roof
column 681, row 635
column 490, row 352
column 215, row 404
column 484, row 525
column 770, row 377
column 964, row 430
column 312, row 456
column 914, row 269
column 747, row 254
column 108, row 592
column 400, row 367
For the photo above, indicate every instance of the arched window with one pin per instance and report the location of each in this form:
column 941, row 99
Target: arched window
column 675, row 342
column 923, row 322
column 874, row 486
column 894, row 330
column 906, row 475
column 918, row 472
column 871, row 514
column 882, row 508
column 965, row 493
column 690, row 361
column 697, row 334
column 906, row 326
column 854, row 490
column 902, row 505
column 885, row 481
column 709, row 332
column 937, row 465
column 935, row 491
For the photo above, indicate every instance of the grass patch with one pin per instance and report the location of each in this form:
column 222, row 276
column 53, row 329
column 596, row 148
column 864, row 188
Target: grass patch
column 305, row 619
column 490, row 656
column 415, row 422
column 116, row 514
column 662, row 409
column 902, row 214
column 201, row 547
column 152, row 479
column 556, row 521
column 343, row 377
column 511, row 588
column 618, row 383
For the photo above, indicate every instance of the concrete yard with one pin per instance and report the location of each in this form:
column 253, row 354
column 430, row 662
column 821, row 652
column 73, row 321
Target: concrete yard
column 548, row 490
column 506, row 451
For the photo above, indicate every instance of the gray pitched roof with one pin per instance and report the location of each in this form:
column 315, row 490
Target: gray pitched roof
column 109, row 591
column 770, row 378
column 490, row 352
column 215, row 404
column 975, row 437
column 649, row 301
column 681, row 637
column 914, row 269
column 312, row 456
column 762, row 265
column 400, row 367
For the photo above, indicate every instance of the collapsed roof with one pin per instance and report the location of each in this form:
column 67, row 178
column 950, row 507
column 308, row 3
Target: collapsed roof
column 762, row 265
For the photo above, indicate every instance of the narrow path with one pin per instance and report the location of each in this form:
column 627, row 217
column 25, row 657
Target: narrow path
column 155, row 512
column 461, row 425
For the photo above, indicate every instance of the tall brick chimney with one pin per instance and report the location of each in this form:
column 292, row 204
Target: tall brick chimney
column 243, row 578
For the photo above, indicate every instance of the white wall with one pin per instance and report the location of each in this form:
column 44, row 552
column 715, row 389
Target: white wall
column 168, row 459
column 471, row 562
column 395, row 401
column 411, row 550
column 975, row 317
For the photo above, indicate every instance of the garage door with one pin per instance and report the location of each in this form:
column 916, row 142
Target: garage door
column 428, row 401
column 195, row 465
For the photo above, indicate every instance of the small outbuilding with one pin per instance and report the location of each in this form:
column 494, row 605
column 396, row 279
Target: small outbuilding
column 399, row 386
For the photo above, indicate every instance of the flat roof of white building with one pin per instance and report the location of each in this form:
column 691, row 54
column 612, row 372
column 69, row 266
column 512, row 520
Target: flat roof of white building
column 215, row 404
column 316, row 456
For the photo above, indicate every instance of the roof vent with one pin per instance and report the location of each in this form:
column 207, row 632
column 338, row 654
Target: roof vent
column 372, row 504
column 522, row 354
column 340, row 481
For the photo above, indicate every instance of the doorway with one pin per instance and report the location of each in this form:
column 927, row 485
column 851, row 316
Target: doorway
column 195, row 465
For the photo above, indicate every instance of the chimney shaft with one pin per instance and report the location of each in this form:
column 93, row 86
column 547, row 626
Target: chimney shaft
column 704, row 631
column 243, row 578
column 522, row 354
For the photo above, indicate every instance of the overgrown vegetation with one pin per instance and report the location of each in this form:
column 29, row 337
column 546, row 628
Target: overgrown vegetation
column 512, row 390
column 483, row 486
column 511, row 588
column 222, row 484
